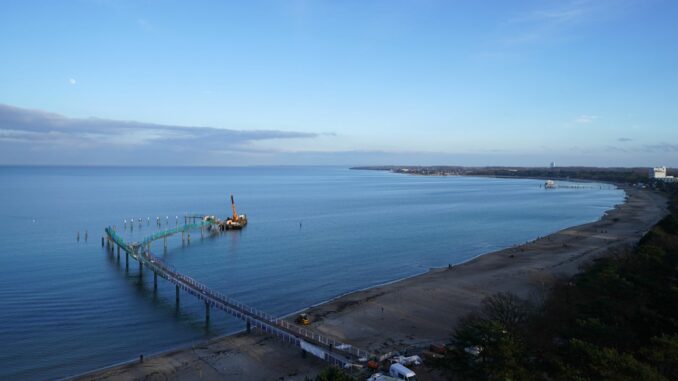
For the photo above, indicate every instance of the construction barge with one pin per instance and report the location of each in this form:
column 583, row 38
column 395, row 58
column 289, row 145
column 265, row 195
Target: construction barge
column 234, row 222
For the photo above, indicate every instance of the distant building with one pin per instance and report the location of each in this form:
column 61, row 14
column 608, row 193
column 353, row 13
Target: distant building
column 659, row 173
column 553, row 164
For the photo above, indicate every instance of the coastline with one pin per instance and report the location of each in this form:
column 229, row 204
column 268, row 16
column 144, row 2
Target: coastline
column 409, row 312
column 527, row 270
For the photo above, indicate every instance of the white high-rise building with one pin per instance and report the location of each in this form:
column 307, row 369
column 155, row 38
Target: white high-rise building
column 658, row 173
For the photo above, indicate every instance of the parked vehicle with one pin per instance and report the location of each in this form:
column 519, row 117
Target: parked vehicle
column 401, row 372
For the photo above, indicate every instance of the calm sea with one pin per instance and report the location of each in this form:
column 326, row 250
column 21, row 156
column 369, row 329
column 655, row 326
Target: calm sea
column 66, row 306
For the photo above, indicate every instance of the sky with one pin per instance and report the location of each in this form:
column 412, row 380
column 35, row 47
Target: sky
column 515, row 83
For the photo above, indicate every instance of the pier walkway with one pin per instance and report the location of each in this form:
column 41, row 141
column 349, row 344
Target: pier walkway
column 330, row 350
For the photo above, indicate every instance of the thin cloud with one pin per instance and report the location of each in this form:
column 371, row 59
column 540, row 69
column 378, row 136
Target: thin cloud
column 540, row 24
column 145, row 25
column 19, row 125
column 661, row 147
column 615, row 149
column 561, row 13
column 585, row 119
column 72, row 81
column 549, row 22
column 624, row 140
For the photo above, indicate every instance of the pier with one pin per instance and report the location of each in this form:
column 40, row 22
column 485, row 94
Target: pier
column 330, row 350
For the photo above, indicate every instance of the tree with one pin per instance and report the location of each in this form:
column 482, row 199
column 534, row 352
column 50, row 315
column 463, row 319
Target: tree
column 589, row 362
column 663, row 354
column 332, row 374
column 507, row 309
column 483, row 349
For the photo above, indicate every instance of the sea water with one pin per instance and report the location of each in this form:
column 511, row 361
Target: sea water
column 68, row 306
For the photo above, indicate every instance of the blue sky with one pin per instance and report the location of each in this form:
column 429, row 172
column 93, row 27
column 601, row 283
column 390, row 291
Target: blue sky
column 344, row 82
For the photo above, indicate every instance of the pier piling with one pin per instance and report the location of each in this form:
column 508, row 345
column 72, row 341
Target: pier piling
column 265, row 322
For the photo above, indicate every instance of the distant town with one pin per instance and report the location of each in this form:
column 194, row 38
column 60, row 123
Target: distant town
column 637, row 175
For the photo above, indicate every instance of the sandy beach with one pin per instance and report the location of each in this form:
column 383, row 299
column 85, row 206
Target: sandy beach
column 413, row 312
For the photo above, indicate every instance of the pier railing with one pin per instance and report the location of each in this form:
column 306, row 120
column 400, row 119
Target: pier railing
column 264, row 321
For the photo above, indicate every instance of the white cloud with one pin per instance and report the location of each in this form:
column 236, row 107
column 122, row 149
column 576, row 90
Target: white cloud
column 585, row 119
column 72, row 81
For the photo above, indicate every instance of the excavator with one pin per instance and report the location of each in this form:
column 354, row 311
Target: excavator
column 236, row 221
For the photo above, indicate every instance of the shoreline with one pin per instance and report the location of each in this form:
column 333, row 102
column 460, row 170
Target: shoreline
column 407, row 312
column 523, row 269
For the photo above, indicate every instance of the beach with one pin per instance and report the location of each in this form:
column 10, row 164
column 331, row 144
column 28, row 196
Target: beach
column 410, row 313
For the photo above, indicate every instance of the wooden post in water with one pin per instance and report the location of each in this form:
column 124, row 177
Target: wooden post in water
column 102, row 241
column 177, row 296
column 188, row 235
column 155, row 281
column 207, row 313
column 126, row 261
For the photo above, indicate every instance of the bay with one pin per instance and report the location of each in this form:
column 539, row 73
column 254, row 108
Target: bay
column 68, row 306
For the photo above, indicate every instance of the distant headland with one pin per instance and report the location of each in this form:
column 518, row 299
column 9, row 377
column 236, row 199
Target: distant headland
column 618, row 175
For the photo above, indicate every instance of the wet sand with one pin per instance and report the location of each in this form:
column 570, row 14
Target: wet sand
column 413, row 312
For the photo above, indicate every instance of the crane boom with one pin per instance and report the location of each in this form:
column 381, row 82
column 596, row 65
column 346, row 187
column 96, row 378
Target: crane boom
column 235, row 214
